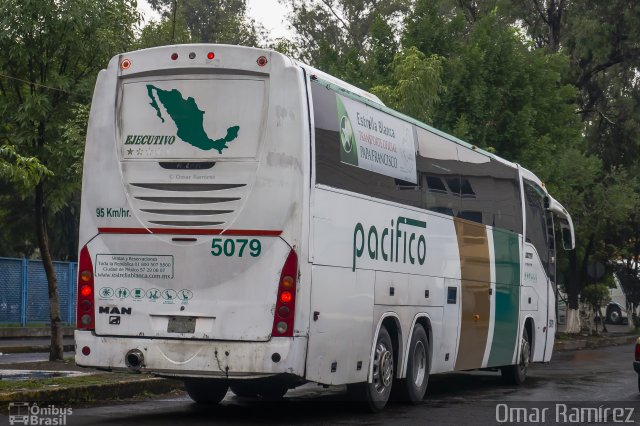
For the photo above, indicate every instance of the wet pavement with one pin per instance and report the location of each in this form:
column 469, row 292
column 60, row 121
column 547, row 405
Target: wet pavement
column 6, row 359
column 589, row 378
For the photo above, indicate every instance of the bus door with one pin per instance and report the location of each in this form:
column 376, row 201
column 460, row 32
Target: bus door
column 552, row 324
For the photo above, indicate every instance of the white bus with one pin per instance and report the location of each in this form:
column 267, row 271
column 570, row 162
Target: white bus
column 251, row 222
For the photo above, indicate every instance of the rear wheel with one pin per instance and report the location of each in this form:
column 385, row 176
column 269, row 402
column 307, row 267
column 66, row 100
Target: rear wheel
column 269, row 389
column 272, row 389
column 206, row 391
column 516, row 374
column 244, row 389
column 413, row 387
column 375, row 395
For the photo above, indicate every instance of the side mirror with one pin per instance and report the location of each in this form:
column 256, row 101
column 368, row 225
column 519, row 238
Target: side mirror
column 568, row 238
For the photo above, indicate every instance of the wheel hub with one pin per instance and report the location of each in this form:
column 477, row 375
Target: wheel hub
column 525, row 355
column 382, row 368
column 419, row 363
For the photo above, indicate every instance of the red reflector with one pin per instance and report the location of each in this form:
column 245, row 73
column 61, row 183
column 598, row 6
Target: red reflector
column 85, row 276
column 174, row 56
column 86, row 350
column 85, row 319
column 210, row 55
column 287, row 282
column 286, row 296
column 284, row 315
column 262, row 61
column 283, row 312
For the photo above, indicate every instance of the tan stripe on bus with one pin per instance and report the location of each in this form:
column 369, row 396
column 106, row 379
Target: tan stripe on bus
column 475, row 298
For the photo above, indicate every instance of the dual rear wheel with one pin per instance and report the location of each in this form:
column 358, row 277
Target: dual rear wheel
column 376, row 394
column 212, row 391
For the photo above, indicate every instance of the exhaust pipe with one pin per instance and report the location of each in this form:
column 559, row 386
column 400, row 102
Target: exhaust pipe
column 134, row 359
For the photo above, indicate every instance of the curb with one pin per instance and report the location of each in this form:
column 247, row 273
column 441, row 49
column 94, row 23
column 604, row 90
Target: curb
column 75, row 394
column 28, row 332
column 32, row 349
column 573, row 345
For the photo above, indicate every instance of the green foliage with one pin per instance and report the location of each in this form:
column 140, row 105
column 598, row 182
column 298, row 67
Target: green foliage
column 596, row 295
column 25, row 172
column 501, row 94
column 52, row 52
column 202, row 21
column 351, row 39
column 417, row 83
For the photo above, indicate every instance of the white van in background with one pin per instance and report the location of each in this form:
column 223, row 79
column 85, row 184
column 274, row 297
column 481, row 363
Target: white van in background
column 617, row 308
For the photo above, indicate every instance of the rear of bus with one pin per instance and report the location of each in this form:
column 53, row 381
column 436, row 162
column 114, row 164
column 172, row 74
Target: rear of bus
column 192, row 205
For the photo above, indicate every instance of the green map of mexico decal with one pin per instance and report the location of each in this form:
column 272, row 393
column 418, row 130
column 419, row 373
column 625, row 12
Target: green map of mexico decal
column 188, row 118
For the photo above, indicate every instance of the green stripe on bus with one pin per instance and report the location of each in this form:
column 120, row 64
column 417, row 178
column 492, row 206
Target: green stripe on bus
column 507, row 301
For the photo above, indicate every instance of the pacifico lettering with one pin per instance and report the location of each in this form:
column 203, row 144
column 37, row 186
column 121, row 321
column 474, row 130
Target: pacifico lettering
column 393, row 244
column 149, row 140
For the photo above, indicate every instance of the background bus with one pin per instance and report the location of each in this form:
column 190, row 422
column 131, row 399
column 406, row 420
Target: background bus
column 250, row 221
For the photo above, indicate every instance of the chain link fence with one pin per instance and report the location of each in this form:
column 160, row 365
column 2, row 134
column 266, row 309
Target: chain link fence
column 24, row 295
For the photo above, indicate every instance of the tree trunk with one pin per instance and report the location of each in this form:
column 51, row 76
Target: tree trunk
column 56, row 351
column 573, row 317
column 573, row 321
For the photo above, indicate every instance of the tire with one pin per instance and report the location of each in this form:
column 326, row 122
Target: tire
column 272, row 390
column 375, row 395
column 638, row 382
column 412, row 388
column 244, row 389
column 517, row 374
column 614, row 315
column 206, row 391
column 268, row 389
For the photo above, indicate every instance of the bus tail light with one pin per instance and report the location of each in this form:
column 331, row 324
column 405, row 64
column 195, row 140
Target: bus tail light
column 286, row 301
column 85, row 309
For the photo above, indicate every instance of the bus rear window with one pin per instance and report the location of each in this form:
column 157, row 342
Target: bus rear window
column 191, row 118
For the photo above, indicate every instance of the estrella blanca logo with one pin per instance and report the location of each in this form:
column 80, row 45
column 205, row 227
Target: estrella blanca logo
column 403, row 241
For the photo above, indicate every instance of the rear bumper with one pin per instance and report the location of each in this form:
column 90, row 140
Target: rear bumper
column 194, row 358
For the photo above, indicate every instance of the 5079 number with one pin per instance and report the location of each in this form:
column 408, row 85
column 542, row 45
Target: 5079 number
column 230, row 247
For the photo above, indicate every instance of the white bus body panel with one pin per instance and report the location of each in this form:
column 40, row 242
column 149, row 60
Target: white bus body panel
column 351, row 303
column 131, row 211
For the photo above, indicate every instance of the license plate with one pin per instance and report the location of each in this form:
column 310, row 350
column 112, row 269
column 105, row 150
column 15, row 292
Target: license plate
column 181, row 325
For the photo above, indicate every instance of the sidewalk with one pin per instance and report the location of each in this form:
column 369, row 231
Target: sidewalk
column 32, row 345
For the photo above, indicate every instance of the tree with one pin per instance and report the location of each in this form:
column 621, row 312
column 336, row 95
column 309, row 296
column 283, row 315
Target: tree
column 202, row 21
column 601, row 40
column 416, row 84
column 351, row 39
column 52, row 51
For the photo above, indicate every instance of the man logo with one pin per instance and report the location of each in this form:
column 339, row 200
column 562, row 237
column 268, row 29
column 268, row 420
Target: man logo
column 113, row 310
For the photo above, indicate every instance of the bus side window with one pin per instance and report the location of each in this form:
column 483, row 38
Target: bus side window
column 489, row 191
column 537, row 231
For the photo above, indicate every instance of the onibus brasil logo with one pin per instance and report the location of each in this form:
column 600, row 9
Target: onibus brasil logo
column 403, row 241
column 188, row 118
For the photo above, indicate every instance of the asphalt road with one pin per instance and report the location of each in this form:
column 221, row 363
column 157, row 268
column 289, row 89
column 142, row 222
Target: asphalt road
column 597, row 379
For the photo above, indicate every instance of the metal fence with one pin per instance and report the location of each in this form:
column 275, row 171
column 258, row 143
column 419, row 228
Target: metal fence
column 24, row 295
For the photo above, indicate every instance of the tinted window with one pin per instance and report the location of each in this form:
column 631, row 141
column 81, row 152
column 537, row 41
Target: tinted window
column 332, row 172
column 490, row 192
column 537, row 232
column 452, row 180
